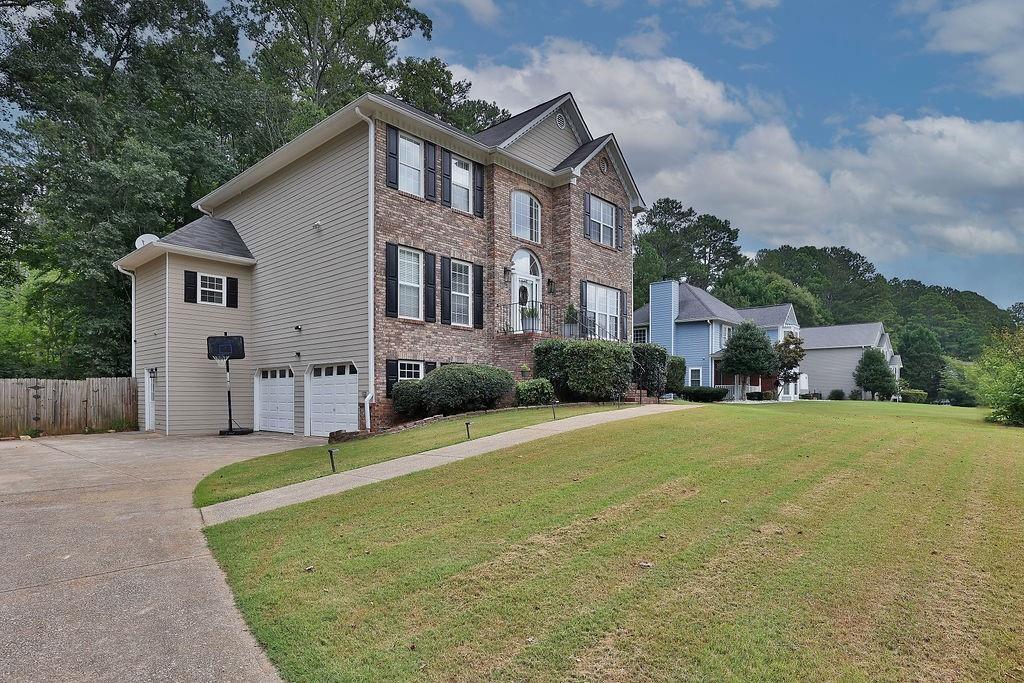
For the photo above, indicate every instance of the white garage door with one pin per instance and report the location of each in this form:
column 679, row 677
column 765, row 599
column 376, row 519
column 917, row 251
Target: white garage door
column 333, row 399
column 277, row 401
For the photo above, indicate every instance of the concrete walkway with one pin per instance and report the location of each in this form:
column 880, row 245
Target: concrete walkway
column 361, row 476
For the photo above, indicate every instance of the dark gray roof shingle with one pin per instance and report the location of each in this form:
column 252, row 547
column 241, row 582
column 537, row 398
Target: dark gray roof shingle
column 500, row 132
column 842, row 336
column 697, row 304
column 581, row 153
column 642, row 315
column 767, row 316
column 210, row 234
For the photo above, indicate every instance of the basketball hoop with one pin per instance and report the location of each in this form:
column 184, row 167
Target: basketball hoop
column 224, row 349
column 222, row 361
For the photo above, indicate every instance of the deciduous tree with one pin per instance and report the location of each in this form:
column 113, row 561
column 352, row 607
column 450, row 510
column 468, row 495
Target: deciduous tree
column 748, row 352
column 873, row 374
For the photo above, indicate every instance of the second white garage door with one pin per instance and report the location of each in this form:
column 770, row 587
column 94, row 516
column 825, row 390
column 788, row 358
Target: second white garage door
column 277, row 401
column 333, row 399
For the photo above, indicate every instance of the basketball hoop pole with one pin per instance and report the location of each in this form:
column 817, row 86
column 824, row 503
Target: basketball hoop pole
column 227, row 374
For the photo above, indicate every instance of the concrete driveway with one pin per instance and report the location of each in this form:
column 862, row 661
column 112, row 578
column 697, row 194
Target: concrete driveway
column 104, row 572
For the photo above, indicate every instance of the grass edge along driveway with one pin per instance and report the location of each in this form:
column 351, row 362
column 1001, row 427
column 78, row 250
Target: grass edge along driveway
column 843, row 541
column 302, row 464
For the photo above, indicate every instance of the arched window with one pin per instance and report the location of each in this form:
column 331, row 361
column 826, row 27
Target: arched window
column 526, row 263
column 525, row 216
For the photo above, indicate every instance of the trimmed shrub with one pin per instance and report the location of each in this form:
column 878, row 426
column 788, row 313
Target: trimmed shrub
column 549, row 363
column 598, row 370
column 856, row 395
column 675, row 376
column 407, row 397
column 703, row 394
column 806, row 397
column 534, row 392
column 768, row 395
column 462, row 387
column 914, row 396
column 837, row 395
column 755, row 395
column 650, row 367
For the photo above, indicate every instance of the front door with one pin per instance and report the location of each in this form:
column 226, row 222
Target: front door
column 149, row 400
column 526, row 310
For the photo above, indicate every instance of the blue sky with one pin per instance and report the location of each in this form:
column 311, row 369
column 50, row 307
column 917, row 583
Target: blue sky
column 895, row 128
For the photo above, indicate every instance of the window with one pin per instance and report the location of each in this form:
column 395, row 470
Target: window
column 603, row 213
column 726, row 333
column 462, row 185
column 410, row 284
column 410, row 369
column 211, row 289
column 525, row 216
column 462, row 276
column 410, row 165
column 640, row 335
column 603, row 304
column 695, row 377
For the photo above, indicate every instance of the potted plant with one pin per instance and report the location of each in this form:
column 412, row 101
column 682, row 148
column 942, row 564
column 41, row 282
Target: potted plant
column 570, row 322
column 530, row 316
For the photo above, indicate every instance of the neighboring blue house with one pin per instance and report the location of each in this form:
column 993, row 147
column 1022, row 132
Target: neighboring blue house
column 691, row 323
column 778, row 321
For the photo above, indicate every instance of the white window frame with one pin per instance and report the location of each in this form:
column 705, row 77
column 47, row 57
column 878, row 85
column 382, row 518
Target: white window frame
column 418, row 166
column 419, row 285
column 610, row 332
column 531, row 202
column 409, row 366
column 726, row 334
column 468, row 186
column 646, row 333
column 595, row 204
column 223, row 289
column 468, row 295
column 700, row 376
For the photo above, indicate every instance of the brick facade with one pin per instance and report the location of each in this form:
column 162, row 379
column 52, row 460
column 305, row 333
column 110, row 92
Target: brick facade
column 565, row 255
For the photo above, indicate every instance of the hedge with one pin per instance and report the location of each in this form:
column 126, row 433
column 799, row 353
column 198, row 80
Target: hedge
column 703, row 394
column 914, row 396
column 462, row 387
column 760, row 395
column 534, row 392
column 407, row 398
column 675, row 380
column 585, row 370
column 856, row 395
column 837, row 395
column 650, row 367
column 549, row 363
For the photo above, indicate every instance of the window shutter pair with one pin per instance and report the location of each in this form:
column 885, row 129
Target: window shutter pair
column 392, row 166
column 391, row 284
column 429, row 171
column 192, row 289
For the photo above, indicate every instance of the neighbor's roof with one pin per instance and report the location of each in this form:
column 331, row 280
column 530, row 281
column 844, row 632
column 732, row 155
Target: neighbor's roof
column 205, row 237
column 642, row 316
column 842, row 336
column 500, row 132
column 768, row 316
column 697, row 304
column 896, row 361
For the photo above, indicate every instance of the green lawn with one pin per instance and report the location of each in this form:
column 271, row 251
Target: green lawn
column 271, row 471
column 811, row 541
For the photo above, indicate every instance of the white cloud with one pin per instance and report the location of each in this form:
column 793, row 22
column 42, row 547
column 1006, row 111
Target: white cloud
column 484, row 12
column 648, row 40
column 937, row 182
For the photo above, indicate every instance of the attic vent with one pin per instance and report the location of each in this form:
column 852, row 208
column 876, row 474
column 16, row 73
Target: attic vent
column 604, row 165
column 560, row 120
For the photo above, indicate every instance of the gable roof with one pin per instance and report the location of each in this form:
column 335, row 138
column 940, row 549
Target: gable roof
column 642, row 316
column 583, row 153
column 858, row 335
column 500, row 132
column 205, row 237
column 768, row 316
column 697, row 304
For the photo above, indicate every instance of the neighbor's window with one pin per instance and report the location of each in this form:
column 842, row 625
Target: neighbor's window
column 410, row 369
column 410, row 283
column 694, row 377
column 603, row 304
column 604, row 214
column 462, row 275
column 525, row 216
column 462, row 185
column 726, row 333
column 640, row 335
column 211, row 289
column 410, row 165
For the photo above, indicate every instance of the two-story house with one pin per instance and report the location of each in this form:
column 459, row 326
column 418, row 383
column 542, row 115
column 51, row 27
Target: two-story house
column 834, row 351
column 777, row 322
column 370, row 249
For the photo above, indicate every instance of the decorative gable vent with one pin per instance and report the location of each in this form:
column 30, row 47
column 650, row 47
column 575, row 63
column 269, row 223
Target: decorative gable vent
column 604, row 165
column 560, row 120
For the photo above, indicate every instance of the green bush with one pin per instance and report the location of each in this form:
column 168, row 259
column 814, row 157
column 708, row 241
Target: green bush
column 675, row 376
column 461, row 387
column 1000, row 377
column 585, row 370
column 549, row 363
column 407, row 398
column 914, row 396
column 837, row 395
column 755, row 395
column 768, row 395
column 703, row 394
column 650, row 367
column 534, row 392
column 807, row 397
column 856, row 395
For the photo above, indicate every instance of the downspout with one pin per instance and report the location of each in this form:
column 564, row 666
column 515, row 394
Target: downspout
column 711, row 346
column 131, row 274
column 371, row 146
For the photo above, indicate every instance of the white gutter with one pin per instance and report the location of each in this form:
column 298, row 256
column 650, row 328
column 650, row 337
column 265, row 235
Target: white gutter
column 130, row 274
column 371, row 145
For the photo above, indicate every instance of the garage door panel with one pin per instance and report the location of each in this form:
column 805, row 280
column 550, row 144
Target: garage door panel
column 277, row 401
column 333, row 400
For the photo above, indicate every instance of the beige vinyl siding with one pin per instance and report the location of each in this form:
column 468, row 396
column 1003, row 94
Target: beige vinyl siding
column 312, row 277
column 197, row 387
column 150, row 313
column 829, row 369
column 546, row 144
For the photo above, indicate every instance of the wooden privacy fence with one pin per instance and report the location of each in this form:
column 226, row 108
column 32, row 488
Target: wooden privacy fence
column 67, row 406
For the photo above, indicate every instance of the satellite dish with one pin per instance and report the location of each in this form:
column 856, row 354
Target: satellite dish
column 143, row 240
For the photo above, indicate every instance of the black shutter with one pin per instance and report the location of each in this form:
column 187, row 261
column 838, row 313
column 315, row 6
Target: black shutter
column 191, row 287
column 392, row 157
column 390, row 376
column 391, row 281
column 618, row 227
column 478, row 190
column 429, row 288
column 232, row 298
column 429, row 366
column 429, row 172
column 446, row 177
column 478, row 297
column 446, row 290
column 623, row 311
column 586, row 215
column 584, row 323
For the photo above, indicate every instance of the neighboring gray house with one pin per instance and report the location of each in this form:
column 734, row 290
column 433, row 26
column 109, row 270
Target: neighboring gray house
column 834, row 351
